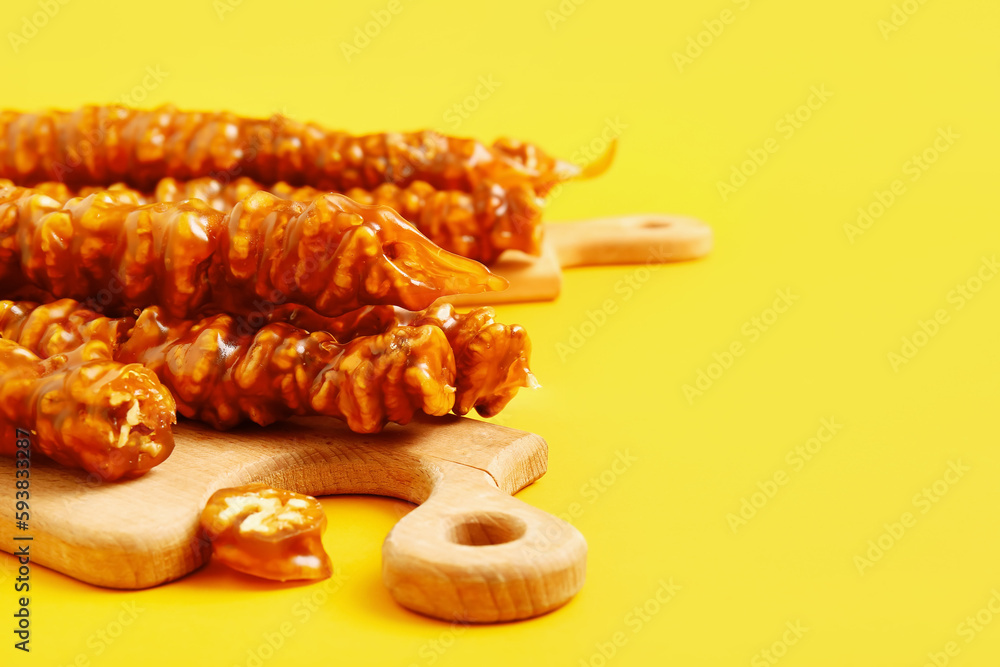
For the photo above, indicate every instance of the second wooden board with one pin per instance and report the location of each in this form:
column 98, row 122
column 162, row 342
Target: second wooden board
column 650, row 238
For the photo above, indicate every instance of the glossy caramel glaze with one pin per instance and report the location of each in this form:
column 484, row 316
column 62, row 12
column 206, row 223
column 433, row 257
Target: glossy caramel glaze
column 222, row 374
column 332, row 255
column 85, row 410
column 59, row 326
column 267, row 532
column 479, row 225
column 492, row 358
column 101, row 145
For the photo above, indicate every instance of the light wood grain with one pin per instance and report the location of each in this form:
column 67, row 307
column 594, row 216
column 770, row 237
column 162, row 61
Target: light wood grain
column 439, row 560
column 530, row 278
column 649, row 238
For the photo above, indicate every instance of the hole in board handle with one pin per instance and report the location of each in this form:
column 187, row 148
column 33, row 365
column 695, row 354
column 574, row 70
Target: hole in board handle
column 480, row 530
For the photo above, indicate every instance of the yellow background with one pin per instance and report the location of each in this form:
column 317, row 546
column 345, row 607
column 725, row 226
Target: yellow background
column 622, row 390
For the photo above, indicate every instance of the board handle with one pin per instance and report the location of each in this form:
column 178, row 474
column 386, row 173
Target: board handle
column 473, row 554
column 648, row 238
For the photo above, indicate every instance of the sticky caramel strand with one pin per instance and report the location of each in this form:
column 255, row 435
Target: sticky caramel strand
column 86, row 411
column 332, row 255
column 101, row 145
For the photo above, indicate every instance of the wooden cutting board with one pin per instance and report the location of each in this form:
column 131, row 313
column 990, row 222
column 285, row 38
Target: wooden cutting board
column 470, row 552
column 647, row 238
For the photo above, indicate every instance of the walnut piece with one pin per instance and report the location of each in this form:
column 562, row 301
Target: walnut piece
column 267, row 532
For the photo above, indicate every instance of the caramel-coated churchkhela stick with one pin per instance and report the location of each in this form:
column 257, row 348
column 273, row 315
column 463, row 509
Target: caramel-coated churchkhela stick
column 491, row 358
column 86, row 411
column 59, row 326
column 480, row 225
column 221, row 376
column 101, row 145
column 118, row 192
column 332, row 255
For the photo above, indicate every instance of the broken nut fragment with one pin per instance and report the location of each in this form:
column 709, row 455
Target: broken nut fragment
column 267, row 532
